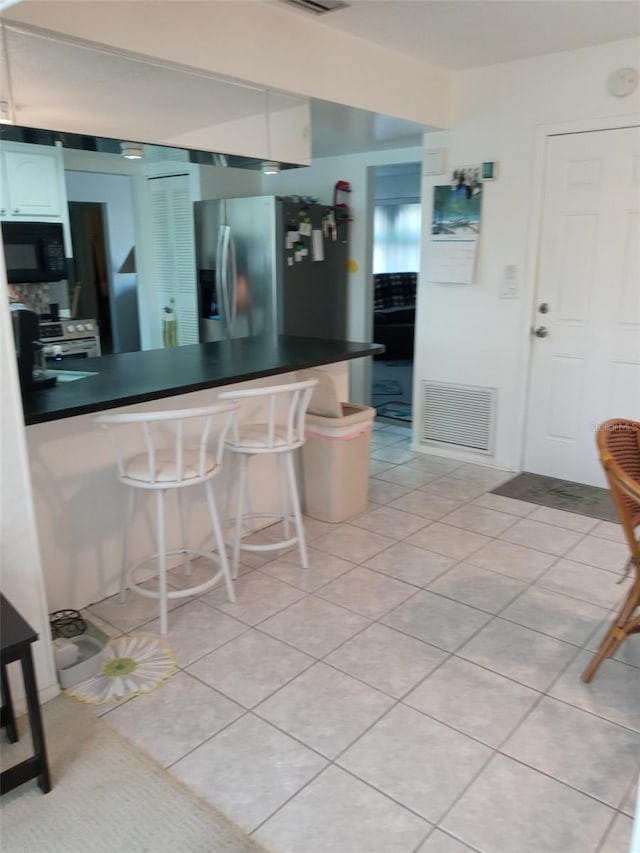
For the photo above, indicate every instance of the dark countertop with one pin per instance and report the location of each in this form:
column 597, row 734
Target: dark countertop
column 136, row 377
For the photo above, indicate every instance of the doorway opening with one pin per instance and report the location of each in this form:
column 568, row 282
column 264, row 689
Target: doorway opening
column 89, row 285
column 395, row 266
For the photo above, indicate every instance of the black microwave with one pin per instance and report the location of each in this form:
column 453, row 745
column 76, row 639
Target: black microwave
column 34, row 251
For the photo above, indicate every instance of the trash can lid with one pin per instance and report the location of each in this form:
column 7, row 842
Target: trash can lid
column 325, row 401
column 355, row 419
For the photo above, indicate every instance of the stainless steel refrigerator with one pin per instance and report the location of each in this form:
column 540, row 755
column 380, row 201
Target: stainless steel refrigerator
column 267, row 264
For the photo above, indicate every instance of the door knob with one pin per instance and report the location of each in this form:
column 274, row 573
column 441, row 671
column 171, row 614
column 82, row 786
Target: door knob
column 541, row 332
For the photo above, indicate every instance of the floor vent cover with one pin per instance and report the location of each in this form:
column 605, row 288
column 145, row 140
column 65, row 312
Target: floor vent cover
column 458, row 415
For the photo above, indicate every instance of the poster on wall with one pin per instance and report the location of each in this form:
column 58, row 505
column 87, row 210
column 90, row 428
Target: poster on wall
column 455, row 228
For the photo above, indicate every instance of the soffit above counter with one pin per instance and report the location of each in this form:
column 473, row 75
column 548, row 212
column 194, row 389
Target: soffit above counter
column 260, row 42
column 83, row 88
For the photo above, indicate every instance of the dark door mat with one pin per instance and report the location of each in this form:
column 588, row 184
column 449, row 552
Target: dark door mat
column 397, row 410
column 386, row 386
column 560, row 494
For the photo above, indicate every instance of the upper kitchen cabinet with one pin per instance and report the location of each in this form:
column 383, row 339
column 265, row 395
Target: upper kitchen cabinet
column 75, row 87
column 31, row 183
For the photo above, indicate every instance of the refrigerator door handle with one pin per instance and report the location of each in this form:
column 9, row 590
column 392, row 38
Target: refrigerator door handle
column 222, row 275
column 232, row 271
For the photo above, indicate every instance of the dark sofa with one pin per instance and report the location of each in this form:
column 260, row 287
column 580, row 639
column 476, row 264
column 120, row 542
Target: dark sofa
column 394, row 313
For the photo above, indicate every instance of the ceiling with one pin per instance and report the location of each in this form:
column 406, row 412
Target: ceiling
column 458, row 34
column 455, row 34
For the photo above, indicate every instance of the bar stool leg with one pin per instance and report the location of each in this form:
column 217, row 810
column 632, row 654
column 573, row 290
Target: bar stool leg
column 237, row 533
column 162, row 561
column 186, row 560
column 283, row 496
column 35, row 720
column 8, row 717
column 222, row 550
column 125, row 546
column 295, row 500
column 233, row 469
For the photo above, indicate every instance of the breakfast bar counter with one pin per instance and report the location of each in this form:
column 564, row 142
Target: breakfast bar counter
column 138, row 377
column 79, row 502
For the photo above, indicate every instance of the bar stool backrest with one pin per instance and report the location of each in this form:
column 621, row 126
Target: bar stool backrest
column 290, row 400
column 191, row 438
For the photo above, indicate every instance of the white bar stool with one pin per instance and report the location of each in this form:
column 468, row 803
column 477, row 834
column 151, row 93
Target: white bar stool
column 281, row 437
column 180, row 448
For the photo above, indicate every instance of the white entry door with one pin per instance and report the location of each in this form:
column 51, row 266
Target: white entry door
column 586, row 343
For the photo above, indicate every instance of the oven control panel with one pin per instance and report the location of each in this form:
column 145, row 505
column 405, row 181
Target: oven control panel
column 50, row 330
column 67, row 330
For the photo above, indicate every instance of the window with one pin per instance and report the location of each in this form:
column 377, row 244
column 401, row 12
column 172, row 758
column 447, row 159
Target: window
column 396, row 237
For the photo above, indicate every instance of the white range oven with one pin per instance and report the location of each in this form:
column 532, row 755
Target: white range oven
column 64, row 339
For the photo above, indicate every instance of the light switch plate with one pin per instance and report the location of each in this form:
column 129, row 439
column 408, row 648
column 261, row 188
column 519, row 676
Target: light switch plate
column 435, row 161
column 509, row 283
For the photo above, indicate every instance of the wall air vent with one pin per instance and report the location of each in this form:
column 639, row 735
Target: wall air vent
column 458, row 416
column 318, row 7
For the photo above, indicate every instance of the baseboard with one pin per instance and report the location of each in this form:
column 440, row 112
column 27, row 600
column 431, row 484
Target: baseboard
column 462, row 456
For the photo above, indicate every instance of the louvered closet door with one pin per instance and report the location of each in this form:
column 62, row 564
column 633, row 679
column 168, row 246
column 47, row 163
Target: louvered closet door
column 174, row 253
column 586, row 368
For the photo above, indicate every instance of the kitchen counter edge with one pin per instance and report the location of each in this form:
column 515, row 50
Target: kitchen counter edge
column 124, row 379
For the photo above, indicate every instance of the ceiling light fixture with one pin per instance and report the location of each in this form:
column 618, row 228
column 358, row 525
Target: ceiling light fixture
column 270, row 168
column 131, row 150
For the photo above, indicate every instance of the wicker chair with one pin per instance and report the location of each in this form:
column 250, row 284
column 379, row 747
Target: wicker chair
column 619, row 446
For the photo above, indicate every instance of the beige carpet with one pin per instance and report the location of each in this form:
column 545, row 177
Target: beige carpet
column 107, row 797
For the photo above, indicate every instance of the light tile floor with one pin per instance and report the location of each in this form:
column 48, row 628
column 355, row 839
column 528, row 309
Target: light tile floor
column 418, row 689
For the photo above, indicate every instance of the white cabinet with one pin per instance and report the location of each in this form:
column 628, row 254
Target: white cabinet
column 32, row 182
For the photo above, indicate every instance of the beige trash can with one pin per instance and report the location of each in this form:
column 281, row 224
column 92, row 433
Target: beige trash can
column 335, row 463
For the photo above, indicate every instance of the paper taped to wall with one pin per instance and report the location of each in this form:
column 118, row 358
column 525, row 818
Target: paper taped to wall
column 317, row 245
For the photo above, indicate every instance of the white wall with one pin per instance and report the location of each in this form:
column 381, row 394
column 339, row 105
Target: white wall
column 467, row 334
column 115, row 192
column 21, row 577
column 319, row 180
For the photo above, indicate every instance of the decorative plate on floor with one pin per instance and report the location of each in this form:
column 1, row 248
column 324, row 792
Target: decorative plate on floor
column 130, row 666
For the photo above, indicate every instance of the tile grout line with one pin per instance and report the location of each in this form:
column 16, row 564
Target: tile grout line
column 429, row 824
column 546, row 773
column 352, row 743
column 374, row 621
column 543, row 694
column 494, row 753
column 599, row 847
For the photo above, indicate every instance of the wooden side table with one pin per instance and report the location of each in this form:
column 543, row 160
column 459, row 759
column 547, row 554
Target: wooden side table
column 16, row 637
